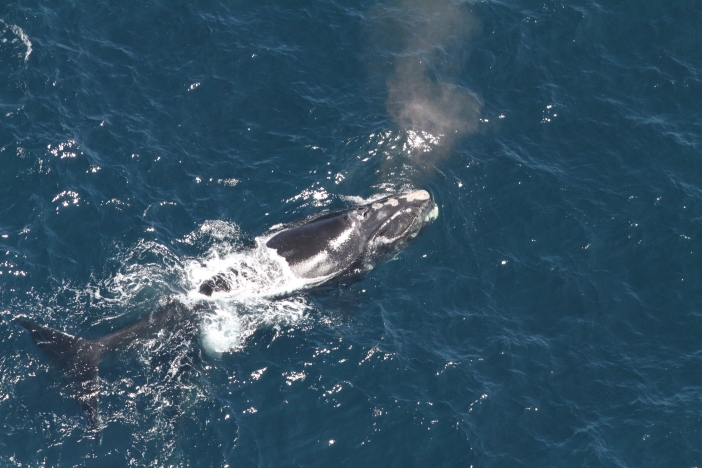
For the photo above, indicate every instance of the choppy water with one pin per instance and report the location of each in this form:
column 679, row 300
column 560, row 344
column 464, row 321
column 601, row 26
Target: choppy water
column 551, row 316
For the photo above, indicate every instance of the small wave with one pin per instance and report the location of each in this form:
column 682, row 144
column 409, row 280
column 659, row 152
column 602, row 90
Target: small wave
column 20, row 36
column 317, row 197
column 25, row 39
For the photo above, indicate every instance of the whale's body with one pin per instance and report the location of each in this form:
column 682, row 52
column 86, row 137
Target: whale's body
column 344, row 243
column 318, row 249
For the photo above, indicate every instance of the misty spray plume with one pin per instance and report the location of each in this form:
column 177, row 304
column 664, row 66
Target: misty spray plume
column 423, row 40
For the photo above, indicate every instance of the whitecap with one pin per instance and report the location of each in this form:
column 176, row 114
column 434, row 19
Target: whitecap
column 21, row 36
column 25, row 39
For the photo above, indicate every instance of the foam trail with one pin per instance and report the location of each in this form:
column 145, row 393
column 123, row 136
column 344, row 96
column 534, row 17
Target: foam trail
column 258, row 278
column 252, row 274
column 20, row 36
column 149, row 272
column 25, row 39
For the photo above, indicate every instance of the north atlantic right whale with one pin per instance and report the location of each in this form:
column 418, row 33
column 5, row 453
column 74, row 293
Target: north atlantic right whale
column 344, row 243
column 317, row 249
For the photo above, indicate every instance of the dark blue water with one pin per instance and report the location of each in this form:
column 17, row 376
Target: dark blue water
column 551, row 316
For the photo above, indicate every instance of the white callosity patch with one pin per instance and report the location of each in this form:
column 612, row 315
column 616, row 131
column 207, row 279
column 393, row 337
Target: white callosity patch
column 416, row 195
column 356, row 200
column 406, row 223
column 385, row 239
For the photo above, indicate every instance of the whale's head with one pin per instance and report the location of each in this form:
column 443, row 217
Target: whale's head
column 354, row 240
column 387, row 224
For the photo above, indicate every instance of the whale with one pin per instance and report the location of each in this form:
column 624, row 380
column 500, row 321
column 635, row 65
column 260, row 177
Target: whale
column 345, row 243
column 317, row 249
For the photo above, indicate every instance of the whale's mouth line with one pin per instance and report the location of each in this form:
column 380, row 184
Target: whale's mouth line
column 395, row 215
column 422, row 213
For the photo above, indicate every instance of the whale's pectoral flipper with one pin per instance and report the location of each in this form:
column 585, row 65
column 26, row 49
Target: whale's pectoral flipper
column 78, row 358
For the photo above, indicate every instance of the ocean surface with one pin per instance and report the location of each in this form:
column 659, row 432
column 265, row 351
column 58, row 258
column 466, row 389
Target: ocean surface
column 550, row 316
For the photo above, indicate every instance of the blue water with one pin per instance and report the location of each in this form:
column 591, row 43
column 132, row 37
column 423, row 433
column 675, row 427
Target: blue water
column 551, row 316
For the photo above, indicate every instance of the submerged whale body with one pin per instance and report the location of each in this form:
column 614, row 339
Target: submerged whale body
column 317, row 250
column 79, row 358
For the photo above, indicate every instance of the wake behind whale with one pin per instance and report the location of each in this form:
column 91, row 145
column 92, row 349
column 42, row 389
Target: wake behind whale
column 293, row 257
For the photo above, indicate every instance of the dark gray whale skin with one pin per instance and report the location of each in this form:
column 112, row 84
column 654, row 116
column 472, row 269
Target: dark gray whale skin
column 79, row 358
column 329, row 246
column 347, row 242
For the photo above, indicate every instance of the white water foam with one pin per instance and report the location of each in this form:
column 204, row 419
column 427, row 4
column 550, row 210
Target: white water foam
column 150, row 273
column 260, row 286
column 21, row 36
column 25, row 40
